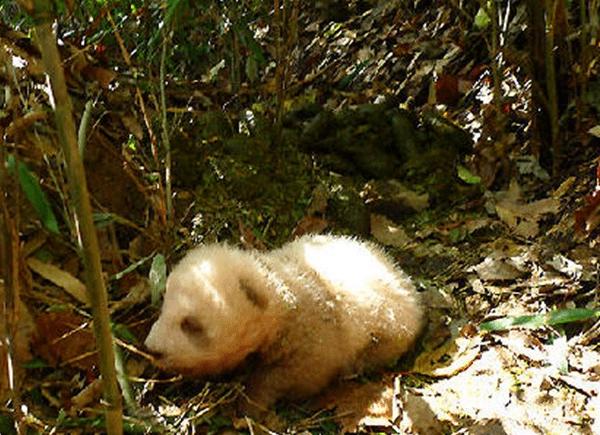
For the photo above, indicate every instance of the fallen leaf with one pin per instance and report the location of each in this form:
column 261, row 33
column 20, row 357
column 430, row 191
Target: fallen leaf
column 496, row 269
column 418, row 417
column 565, row 266
column 133, row 126
column 446, row 89
column 60, row 278
column 565, row 187
column 64, row 338
column 102, row 76
column 587, row 218
column 88, row 396
column 21, row 341
column 451, row 358
column 595, row 131
column 310, row 225
column 521, row 217
column 387, row 232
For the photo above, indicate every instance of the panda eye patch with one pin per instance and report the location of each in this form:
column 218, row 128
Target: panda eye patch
column 191, row 326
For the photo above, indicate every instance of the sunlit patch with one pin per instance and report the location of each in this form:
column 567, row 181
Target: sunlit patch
column 18, row 62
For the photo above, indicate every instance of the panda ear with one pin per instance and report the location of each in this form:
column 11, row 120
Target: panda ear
column 254, row 295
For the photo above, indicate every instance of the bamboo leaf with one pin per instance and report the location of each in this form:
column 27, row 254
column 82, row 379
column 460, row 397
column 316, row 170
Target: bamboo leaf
column 157, row 277
column 467, row 176
column 34, row 194
column 556, row 317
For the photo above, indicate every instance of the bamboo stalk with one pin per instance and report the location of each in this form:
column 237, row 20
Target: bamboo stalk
column 9, row 293
column 497, row 62
column 551, row 83
column 165, row 131
column 41, row 12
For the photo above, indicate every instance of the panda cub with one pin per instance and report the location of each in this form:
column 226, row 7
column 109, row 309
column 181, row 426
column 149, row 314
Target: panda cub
column 315, row 309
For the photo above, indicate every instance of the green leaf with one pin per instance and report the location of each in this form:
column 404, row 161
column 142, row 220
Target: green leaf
column 556, row 317
column 176, row 9
column 35, row 363
column 358, row 69
column 34, row 193
column 467, row 176
column 7, row 424
column 252, row 68
column 157, row 277
column 117, row 276
column 482, row 19
column 103, row 219
column 457, row 235
column 124, row 333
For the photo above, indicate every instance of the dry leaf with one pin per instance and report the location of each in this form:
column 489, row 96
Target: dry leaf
column 359, row 405
column 133, row 126
column 88, row 396
column 102, row 76
column 496, row 269
column 387, row 232
column 449, row 359
column 60, row 278
column 21, row 346
column 63, row 337
column 524, row 218
column 310, row 225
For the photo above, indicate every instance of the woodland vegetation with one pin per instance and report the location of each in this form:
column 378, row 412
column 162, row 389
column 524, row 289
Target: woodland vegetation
column 462, row 135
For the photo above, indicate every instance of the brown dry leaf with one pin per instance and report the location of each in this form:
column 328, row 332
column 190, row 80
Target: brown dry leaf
column 496, row 269
column 394, row 192
column 318, row 201
column 133, row 126
column 388, row 232
column 446, row 89
column 500, row 385
column 418, row 417
column 102, row 76
column 248, row 239
column 523, row 343
column 310, row 225
column 63, row 337
column 564, row 188
column 587, row 218
column 359, row 405
column 24, row 123
column 21, row 346
column 451, row 358
column 88, row 396
column 523, row 218
column 60, row 278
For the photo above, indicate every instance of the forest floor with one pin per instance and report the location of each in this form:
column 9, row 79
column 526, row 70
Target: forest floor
column 507, row 263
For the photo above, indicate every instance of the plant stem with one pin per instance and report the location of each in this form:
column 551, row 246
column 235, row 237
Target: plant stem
column 41, row 13
column 551, row 83
column 496, row 64
column 9, row 295
column 165, row 130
